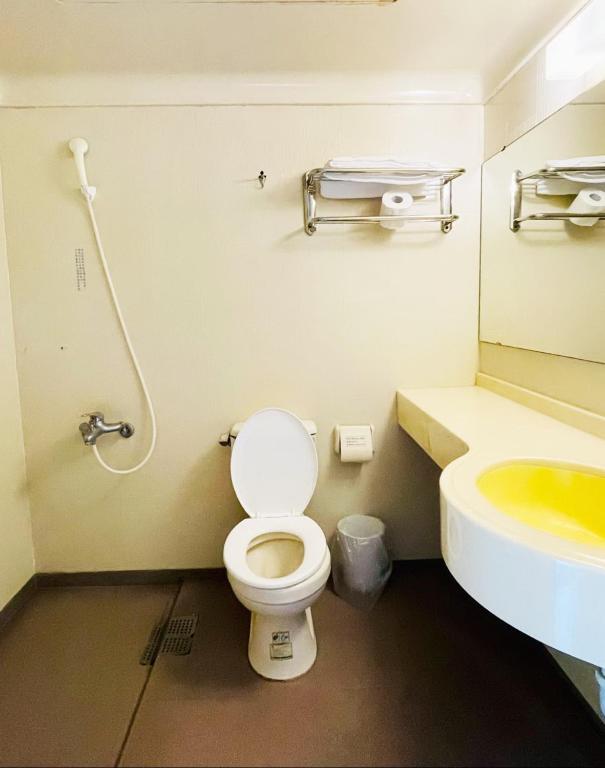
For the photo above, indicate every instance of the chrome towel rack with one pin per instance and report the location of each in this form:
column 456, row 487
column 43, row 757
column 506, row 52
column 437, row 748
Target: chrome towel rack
column 516, row 195
column 439, row 179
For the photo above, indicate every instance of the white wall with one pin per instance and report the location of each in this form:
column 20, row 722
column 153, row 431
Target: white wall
column 232, row 308
column 16, row 549
column 115, row 53
column 569, row 62
column 579, row 382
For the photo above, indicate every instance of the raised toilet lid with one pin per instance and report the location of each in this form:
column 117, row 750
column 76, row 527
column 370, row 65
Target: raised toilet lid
column 274, row 464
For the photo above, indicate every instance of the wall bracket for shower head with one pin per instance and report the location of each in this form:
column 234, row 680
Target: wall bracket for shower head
column 79, row 147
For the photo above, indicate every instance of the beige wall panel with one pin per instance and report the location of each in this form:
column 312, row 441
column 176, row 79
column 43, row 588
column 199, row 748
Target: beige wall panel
column 232, row 308
column 578, row 382
column 16, row 549
column 569, row 63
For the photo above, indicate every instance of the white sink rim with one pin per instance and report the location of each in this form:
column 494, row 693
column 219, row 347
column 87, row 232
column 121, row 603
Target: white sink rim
column 459, row 482
column 551, row 588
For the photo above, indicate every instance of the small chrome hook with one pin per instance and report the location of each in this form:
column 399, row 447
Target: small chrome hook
column 262, row 177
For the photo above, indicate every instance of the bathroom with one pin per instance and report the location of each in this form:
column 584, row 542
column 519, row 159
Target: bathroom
column 417, row 367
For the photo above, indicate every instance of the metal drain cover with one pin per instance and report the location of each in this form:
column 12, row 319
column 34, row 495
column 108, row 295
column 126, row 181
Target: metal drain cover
column 183, row 626
column 178, row 637
column 153, row 643
column 177, row 646
column 173, row 637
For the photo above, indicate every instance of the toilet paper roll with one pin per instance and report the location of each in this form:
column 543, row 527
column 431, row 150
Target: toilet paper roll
column 588, row 201
column 395, row 204
column 356, row 443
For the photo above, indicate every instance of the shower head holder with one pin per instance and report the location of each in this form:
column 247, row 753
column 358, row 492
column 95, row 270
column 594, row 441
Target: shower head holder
column 79, row 147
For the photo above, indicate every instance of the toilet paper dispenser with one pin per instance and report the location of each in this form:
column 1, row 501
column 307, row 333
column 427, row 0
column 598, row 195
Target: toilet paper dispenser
column 354, row 443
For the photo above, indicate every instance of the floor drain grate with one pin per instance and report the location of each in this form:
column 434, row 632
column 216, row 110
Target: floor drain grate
column 183, row 626
column 153, row 643
column 176, row 646
column 178, row 637
column 174, row 637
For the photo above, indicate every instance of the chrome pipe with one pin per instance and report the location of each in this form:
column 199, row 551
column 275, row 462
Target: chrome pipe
column 454, row 172
column 558, row 217
column 378, row 219
column 554, row 173
column 309, row 202
column 516, row 201
column 445, row 205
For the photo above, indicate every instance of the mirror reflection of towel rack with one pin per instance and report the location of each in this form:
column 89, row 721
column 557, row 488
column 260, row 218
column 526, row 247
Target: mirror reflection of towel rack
column 437, row 179
column 520, row 179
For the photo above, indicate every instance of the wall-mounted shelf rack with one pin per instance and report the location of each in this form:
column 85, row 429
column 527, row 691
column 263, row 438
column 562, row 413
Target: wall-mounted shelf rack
column 521, row 179
column 438, row 179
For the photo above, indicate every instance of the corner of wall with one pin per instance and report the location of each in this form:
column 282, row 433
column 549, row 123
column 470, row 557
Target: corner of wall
column 17, row 562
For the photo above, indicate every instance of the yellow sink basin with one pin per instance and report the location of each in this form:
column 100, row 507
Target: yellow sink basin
column 567, row 502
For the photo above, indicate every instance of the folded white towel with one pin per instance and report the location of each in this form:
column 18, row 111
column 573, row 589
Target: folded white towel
column 364, row 185
column 577, row 162
column 349, row 190
column 374, row 161
column 571, row 182
column 557, row 187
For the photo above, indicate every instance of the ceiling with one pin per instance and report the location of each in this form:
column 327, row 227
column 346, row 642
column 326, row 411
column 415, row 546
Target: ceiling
column 464, row 46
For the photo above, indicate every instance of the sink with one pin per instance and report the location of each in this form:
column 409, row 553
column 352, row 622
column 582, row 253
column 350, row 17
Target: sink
column 522, row 500
column 565, row 502
column 525, row 537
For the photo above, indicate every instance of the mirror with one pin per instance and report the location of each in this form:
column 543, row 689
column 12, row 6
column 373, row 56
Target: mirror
column 543, row 287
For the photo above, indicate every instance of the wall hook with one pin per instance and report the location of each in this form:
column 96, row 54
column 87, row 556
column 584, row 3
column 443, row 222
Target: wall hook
column 262, row 177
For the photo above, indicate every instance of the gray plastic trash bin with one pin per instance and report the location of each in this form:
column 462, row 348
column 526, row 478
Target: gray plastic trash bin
column 361, row 565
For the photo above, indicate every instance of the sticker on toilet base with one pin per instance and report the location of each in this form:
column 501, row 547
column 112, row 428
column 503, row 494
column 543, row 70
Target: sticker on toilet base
column 280, row 648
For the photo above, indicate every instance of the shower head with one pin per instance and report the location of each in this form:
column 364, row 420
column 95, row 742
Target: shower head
column 78, row 145
column 79, row 148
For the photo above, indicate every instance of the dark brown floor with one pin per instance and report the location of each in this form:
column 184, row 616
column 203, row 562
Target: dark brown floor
column 426, row 679
column 70, row 676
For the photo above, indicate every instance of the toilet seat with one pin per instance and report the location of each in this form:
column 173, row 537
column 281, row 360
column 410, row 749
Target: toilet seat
column 274, row 465
column 235, row 551
column 274, row 473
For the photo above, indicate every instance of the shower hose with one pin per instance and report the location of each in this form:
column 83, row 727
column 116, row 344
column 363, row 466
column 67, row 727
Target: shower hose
column 133, row 356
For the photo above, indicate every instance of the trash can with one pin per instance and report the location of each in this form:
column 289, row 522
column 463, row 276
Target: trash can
column 361, row 565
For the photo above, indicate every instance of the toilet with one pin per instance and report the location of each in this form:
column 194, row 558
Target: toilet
column 277, row 560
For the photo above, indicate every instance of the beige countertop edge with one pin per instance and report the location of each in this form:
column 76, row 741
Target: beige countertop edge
column 448, row 422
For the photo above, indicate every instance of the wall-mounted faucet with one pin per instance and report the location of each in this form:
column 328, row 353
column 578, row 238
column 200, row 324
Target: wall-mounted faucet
column 96, row 427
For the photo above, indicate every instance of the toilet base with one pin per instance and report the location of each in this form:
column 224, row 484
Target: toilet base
column 282, row 647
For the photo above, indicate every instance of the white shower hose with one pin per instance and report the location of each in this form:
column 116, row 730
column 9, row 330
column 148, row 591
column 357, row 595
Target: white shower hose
column 133, row 356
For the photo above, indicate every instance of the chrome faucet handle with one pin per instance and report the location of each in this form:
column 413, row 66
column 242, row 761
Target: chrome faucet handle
column 126, row 430
column 93, row 416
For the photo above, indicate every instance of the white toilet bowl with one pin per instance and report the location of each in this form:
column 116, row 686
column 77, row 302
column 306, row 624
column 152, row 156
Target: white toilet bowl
column 277, row 561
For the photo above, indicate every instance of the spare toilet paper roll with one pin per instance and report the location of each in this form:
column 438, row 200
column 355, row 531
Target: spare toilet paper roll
column 356, row 443
column 395, row 204
column 588, row 201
